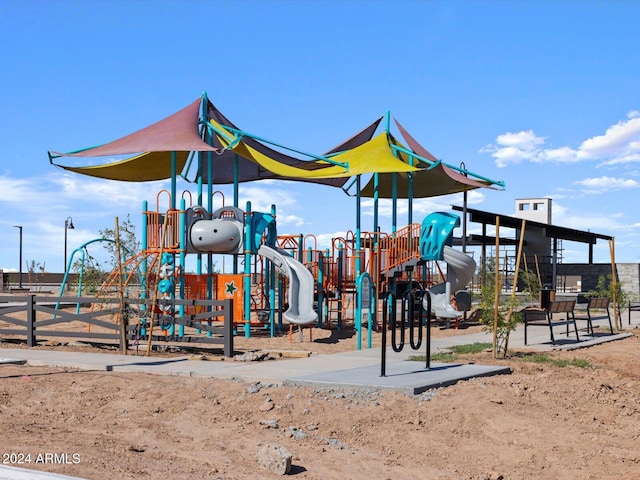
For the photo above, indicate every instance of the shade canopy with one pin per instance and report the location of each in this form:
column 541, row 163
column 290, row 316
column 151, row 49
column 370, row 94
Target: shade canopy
column 372, row 156
column 227, row 163
column 437, row 178
column 152, row 145
column 228, row 154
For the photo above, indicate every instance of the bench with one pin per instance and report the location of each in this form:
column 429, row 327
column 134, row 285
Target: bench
column 538, row 316
column 633, row 307
column 597, row 303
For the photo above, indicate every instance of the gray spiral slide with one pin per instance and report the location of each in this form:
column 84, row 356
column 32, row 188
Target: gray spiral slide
column 301, row 285
column 460, row 269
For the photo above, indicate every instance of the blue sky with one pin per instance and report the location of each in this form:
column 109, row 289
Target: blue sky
column 542, row 95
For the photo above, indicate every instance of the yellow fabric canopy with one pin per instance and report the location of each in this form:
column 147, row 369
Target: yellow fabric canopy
column 145, row 167
column 373, row 156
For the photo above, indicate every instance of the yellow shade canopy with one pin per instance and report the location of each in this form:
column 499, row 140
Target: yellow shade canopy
column 146, row 167
column 373, row 156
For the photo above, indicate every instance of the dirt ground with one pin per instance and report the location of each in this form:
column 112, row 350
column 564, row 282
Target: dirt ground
column 543, row 421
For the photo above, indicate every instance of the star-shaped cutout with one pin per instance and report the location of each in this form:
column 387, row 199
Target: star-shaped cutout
column 230, row 288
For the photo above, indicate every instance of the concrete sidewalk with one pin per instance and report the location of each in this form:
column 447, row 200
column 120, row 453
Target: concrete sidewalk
column 357, row 369
column 15, row 473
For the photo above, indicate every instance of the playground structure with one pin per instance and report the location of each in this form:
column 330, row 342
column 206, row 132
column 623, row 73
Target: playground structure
column 288, row 277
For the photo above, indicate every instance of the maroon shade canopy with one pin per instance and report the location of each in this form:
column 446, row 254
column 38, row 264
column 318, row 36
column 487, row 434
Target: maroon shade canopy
column 175, row 133
column 450, row 172
column 439, row 179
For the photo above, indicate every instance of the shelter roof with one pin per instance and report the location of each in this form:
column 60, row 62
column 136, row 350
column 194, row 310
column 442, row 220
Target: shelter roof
column 550, row 231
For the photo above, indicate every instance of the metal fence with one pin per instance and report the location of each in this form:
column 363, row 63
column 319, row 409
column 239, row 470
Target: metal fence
column 37, row 317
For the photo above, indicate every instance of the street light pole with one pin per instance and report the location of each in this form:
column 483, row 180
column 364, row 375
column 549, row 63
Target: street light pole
column 68, row 225
column 20, row 266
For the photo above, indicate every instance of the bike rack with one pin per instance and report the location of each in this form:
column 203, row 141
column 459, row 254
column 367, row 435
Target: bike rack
column 407, row 319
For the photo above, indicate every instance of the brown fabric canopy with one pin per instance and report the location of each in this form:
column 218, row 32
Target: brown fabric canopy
column 176, row 133
column 439, row 179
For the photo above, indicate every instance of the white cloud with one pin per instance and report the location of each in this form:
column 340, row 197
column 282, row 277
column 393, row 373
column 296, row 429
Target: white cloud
column 562, row 154
column 512, row 148
column 617, row 140
column 324, row 240
column 294, row 220
column 602, row 184
column 623, row 159
column 106, row 192
column 619, row 144
column 262, row 198
column 421, row 206
column 526, row 141
column 598, row 223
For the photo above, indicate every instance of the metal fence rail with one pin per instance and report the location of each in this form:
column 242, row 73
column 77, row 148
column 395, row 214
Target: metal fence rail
column 39, row 314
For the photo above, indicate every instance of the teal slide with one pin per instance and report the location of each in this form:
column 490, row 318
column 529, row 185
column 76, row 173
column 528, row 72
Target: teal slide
column 436, row 238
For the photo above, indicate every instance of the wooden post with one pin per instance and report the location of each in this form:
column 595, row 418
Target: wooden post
column 31, row 320
column 515, row 281
column 614, row 285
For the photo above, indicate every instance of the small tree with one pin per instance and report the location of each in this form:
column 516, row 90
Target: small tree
column 35, row 272
column 128, row 240
column 531, row 283
column 90, row 273
column 605, row 288
column 507, row 316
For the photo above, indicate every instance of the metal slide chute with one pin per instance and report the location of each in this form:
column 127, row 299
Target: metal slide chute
column 436, row 238
column 301, row 285
column 460, row 269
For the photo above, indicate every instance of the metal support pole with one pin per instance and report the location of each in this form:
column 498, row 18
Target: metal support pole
column 68, row 225
column 20, row 256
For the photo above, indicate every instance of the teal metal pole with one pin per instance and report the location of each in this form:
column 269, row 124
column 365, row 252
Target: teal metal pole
column 80, row 277
column 376, row 179
column 371, row 312
column 358, row 234
column 410, row 213
column 272, row 298
column 199, row 255
column 174, row 174
column 182, row 258
column 272, row 275
column 210, row 208
column 358, row 314
column 375, row 261
column 410, row 198
column 236, row 194
column 340, row 297
column 394, row 201
column 325, row 260
column 358, row 243
column 144, row 240
column 319, row 289
column 247, row 270
column 236, row 180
